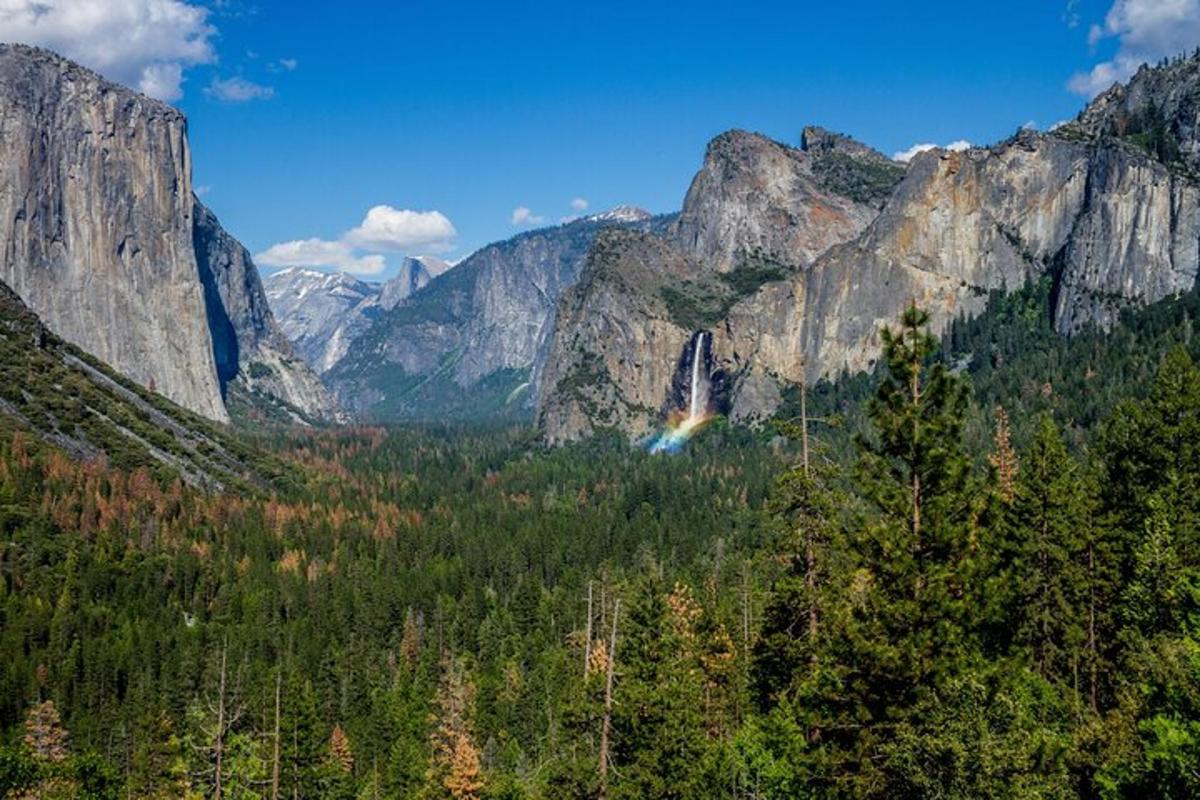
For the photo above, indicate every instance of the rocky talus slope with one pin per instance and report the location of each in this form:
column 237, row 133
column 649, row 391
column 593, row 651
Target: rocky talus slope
column 55, row 393
column 103, row 238
column 1106, row 207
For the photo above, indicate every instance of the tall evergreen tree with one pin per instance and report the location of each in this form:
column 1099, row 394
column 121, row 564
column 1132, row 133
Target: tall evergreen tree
column 1050, row 525
column 915, row 471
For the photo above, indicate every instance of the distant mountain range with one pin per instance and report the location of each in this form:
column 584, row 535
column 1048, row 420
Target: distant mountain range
column 472, row 342
column 781, row 266
column 322, row 313
column 788, row 260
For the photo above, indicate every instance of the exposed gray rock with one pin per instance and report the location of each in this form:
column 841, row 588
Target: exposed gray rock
column 1158, row 111
column 607, row 368
column 1109, row 214
column 411, row 278
column 320, row 312
column 478, row 333
column 96, row 223
column 755, row 196
column 250, row 348
column 758, row 211
column 104, row 240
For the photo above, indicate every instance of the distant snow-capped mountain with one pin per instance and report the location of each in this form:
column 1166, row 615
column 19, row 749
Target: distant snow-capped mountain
column 621, row 214
column 323, row 312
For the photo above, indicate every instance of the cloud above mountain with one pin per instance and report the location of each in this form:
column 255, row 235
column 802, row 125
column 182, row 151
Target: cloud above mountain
column 1146, row 31
column 398, row 230
column 146, row 44
column 321, row 254
column 525, row 216
column 361, row 249
column 238, row 90
column 904, row 156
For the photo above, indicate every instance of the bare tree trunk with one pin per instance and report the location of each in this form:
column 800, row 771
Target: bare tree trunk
column 587, row 645
column 603, row 607
column 608, row 692
column 275, row 743
column 1092, row 648
column 804, row 418
column 219, row 743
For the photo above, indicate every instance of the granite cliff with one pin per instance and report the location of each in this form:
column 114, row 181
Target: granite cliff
column 473, row 340
column 104, row 240
column 793, row 259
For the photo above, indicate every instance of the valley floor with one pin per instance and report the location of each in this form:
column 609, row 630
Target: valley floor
column 953, row 602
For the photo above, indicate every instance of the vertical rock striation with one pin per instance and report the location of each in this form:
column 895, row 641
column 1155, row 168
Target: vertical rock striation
column 101, row 236
column 1106, row 207
column 96, row 223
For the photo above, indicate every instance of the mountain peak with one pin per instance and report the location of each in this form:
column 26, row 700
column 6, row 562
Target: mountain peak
column 1156, row 110
column 818, row 141
column 623, row 213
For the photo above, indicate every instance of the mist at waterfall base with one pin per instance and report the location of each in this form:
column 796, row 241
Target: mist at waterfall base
column 683, row 425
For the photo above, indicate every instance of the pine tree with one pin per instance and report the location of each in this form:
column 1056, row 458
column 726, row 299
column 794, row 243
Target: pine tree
column 1003, row 459
column 659, row 738
column 788, row 650
column 455, row 771
column 915, row 471
column 901, row 628
column 339, row 749
column 1152, row 448
column 45, row 737
column 159, row 769
column 1047, row 558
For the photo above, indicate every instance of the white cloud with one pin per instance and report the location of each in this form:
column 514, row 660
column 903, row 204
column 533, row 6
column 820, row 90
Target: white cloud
column 283, row 65
column 395, row 229
column 904, row 156
column 146, row 44
column 323, row 254
column 1146, row 31
column 360, row 250
column 523, row 216
column 238, row 90
column 1071, row 14
column 579, row 204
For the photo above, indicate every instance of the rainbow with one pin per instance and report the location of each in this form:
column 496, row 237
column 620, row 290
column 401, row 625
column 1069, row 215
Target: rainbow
column 681, row 428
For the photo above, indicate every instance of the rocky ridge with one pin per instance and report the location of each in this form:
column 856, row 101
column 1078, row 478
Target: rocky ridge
column 473, row 340
column 1107, row 207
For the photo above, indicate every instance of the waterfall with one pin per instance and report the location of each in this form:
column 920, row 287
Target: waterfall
column 679, row 429
column 697, row 405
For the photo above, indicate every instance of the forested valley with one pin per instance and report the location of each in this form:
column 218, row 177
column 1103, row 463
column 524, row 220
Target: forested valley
column 974, row 573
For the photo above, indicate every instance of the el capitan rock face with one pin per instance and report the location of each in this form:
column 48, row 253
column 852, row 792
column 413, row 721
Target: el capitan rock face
column 104, row 240
column 1111, row 217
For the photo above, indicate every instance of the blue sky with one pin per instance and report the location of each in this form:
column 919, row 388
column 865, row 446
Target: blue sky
column 305, row 115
